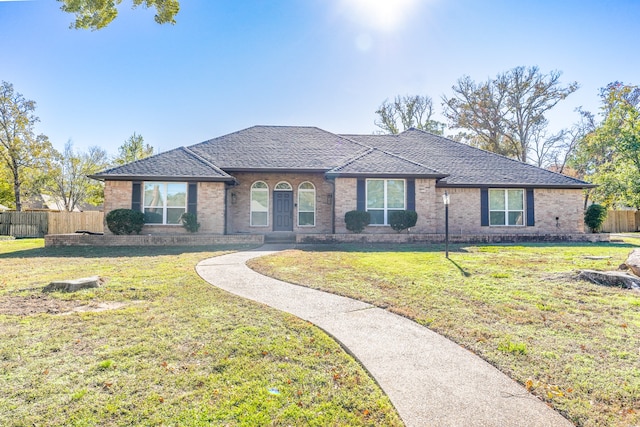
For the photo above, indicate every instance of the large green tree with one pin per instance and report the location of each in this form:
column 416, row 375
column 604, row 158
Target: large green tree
column 6, row 189
column 22, row 153
column 69, row 179
column 97, row 14
column 406, row 112
column 133, row 149
column 609, row 155
column 506, row 114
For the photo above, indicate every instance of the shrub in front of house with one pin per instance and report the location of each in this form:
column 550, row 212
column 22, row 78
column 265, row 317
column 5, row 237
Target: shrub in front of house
column 125, row 221
column 594, row 216
column 402, row 220
column 356, row 221
column 190, row 222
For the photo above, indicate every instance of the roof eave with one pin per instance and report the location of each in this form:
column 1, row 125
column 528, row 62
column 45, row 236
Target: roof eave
column 172, row 178
column 277, row 170
column 331, row 174
column 503, row 185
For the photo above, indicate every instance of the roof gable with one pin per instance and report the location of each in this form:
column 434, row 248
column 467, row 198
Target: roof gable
column 179, row 163
column 377, row 162
column 466, row 165
column 278, row 147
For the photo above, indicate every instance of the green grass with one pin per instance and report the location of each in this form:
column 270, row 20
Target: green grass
column 179, row 352
column 574, row 344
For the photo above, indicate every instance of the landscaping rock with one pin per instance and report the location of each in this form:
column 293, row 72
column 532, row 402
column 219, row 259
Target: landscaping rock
column 633, row 261
column 74, row 285
column 611, row 278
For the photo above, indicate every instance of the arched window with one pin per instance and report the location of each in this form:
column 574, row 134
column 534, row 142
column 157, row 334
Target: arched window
column 259, row 204
column 283, row 186
column 306, row 205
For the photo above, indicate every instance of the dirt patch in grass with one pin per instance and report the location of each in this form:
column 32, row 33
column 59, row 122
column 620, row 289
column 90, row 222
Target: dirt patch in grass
column 38, row 304
column 180, row 352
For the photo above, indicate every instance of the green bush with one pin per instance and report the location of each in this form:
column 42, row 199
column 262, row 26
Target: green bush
column 190, row 222
column 402, row 220
column 357, row 220
column 125, row 221
column 595, row 216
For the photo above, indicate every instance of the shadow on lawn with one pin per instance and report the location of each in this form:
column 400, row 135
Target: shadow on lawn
column 462, row 270
column 378, row 247
column 145, row 251
column 118, row 251
column 438, row 247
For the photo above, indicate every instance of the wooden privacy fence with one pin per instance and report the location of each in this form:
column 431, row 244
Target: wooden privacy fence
column 38, row 224
column 24, row 224
column 70, row 222
column 621, row 222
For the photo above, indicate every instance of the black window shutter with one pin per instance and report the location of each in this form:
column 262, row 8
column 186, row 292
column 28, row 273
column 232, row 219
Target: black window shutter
column 411, row 194
column 484, row 207
column 531, row 220
column 192, row 198
column 136, row 196
column 361, row 195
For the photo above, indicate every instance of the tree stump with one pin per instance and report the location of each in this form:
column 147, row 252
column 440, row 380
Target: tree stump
column 633, row 261
column 74, row 285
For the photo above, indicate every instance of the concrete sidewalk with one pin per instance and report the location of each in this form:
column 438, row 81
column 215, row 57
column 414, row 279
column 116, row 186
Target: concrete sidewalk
column 430, row 380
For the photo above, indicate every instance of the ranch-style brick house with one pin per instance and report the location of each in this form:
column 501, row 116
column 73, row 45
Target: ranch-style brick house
column 302, row 180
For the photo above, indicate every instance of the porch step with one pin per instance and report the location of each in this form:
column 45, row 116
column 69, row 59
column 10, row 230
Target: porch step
column 280, row 238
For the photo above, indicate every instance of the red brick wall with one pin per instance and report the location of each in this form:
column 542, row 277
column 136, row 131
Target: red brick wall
column 117, row 195
column 238, row 212
column 464, row 212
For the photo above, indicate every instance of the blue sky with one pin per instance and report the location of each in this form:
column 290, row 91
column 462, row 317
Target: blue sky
column 230, row 64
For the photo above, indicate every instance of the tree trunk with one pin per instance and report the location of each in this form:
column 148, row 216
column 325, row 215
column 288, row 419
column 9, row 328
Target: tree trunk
column 16, row 186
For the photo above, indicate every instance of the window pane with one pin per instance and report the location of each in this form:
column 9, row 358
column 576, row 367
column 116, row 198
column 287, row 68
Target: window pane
column 375, row 193
column 515, row 218
column 259, row 184
column 259, row 201
column 306, row 218
column 515, row 200
column 496, row 218
column 173, row 215
column 395, row 194
column 307, row 186
column 307, row 201
column 258, row 218
column 152, row 216
column 259, row 206
column 496, row 200
column 154, row 194
column 283, row 186
column 176, row 194
column 377, row 217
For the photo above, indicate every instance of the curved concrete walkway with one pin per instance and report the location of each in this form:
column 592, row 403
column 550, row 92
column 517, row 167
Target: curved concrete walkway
column 430, row 380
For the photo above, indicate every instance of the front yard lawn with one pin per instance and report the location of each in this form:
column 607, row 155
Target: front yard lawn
column 574, row 344
column 159, row 346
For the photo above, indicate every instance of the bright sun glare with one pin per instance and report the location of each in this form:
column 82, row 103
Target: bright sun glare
column 381, row 15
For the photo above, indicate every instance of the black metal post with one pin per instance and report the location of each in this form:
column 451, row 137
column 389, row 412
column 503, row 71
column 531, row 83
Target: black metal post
column 446, row 229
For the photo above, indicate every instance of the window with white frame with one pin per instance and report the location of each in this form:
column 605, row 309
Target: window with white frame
column 259, row 204
column 283, row 186
column 306, row 205
column 164, row 202
column 383, row 197
column 506, row 207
